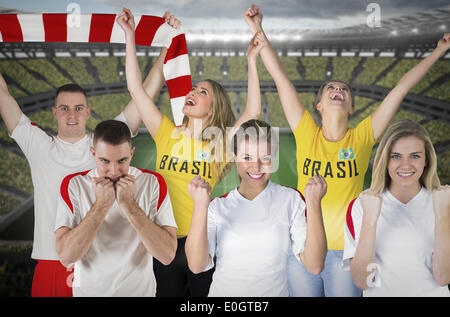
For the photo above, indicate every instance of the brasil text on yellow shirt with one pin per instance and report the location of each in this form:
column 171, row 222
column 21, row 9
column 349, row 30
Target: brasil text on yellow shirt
column 343, row 164
column 179, row 159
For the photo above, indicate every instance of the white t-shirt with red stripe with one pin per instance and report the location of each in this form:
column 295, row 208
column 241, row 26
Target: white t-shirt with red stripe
column 117, row 263
column 251, row 240
column 403, row 248
column 50, row 159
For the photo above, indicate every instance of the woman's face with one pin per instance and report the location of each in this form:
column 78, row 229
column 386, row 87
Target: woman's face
column 335, row 96
column 198, row 102
column 407, row 161
column 254, row 163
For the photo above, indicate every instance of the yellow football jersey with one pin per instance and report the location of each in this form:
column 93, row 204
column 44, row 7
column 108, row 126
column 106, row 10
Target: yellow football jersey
column 343, row 164
column 179, row 159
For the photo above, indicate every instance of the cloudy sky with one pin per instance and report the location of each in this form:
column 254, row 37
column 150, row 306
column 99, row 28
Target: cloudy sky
column 226, row 14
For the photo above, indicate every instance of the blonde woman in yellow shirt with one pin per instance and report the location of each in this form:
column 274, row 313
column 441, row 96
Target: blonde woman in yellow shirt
column 339, row 153
column 187, row 151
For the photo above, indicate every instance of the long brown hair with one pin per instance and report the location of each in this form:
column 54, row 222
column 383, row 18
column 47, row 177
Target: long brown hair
column 222, row 117
column 404, row 128
column 320, row 93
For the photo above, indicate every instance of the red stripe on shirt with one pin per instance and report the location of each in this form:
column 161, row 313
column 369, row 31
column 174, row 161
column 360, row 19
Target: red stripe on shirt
column 349, row 219
column 177, row 47
column 162, row 185
column 55, row 26
column 223, row 196
column 10, row 28
column 146, row 29
column 101, row 27
column 179, row 86
column 65, row 188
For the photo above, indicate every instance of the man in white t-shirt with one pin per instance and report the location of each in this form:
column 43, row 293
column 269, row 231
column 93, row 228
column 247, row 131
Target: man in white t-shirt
column 112, row 220
column 51, row 159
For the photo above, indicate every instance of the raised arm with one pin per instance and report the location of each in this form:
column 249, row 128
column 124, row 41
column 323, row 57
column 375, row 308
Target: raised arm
column 387, row 109
column 196, row 246
column 441, row 254
column 9, row 109
column 315, row 251
column 148, row 111
column 153, row 83
column 292, row 106
column 360, row 264
column 253, row 107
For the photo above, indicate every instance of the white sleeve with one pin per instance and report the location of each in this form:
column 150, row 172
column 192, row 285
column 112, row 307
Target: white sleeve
column 351, row 231
column 29, row 136
column 212, row 233
column 121, row 117
column 298, row 225
column 67, row 208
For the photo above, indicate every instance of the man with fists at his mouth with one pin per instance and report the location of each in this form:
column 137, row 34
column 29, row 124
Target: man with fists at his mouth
column 112, row 221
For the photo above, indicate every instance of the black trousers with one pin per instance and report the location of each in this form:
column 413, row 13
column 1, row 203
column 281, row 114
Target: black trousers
column 176, row 280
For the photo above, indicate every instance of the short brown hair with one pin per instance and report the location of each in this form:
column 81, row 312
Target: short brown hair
column 112, row 132
column 70, row 88
column 253, row 128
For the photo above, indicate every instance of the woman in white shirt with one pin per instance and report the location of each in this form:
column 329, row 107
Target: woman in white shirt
column 397, row 232
column 251, row 230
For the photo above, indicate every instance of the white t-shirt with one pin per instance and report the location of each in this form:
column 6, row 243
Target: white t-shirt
column 50, row 159
column 117, row 263
column 404, row 246
column 251, row 240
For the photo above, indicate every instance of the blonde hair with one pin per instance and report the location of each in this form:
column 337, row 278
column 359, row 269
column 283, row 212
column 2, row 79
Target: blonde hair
column 222, row 117
column 404, row 128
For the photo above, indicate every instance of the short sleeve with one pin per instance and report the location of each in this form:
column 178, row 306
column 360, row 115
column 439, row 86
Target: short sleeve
column 164, row 133
column 364, row 133
column 351, row 231
column 212, row 233
column 298, row 225
column 121, row 117
column 306, row 126
column 67, row 208
column 29, row 136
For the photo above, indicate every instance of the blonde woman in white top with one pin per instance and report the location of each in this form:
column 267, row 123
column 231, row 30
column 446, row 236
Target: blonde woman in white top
column 397, row 232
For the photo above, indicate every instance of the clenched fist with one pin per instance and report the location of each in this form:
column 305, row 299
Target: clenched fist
column 315, row 189
column 125, row 190
column 441, row 202
column 371, row 204
column 199, row 190
column 104, row 192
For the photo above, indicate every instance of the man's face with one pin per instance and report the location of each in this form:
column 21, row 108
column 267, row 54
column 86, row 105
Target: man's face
column 112, row 161
column 71, row 112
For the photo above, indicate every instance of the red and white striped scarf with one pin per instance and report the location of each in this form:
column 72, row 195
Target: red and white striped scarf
column 101, row 28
